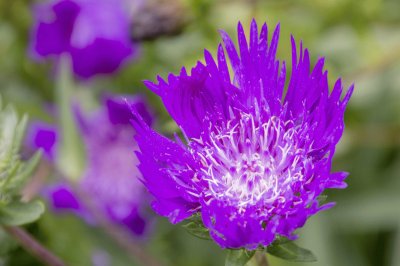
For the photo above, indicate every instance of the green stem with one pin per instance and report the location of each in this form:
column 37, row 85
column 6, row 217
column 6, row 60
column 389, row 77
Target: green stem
column 261, row 258
column 70, row 157
column 33, row 246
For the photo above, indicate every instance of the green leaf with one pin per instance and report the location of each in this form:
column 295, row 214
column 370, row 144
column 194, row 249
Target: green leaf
column 19, row 213
column 238, row 257
column 195, row 227
column 279, row 240
column 322, row 199
column 291, row 252
column 25, row 171
column 8, row 138
column 13, row 171
column 19, row 134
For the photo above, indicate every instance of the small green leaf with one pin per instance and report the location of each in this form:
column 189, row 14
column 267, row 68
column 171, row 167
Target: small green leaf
column 13, row 171
column 19, row 134
column 8, row 124
column 279, row 240
column 322, row 199
column 238, row 257
column 19, row 213
column 195, row 227
column 291, row 252
column 25, row 171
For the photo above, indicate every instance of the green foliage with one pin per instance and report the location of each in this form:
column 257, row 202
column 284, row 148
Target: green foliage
column 194, row 225
column 238, row 257
column 19, row 213
column 291, row 252
column 282, row 247
column 14, row 172
column 322, row 199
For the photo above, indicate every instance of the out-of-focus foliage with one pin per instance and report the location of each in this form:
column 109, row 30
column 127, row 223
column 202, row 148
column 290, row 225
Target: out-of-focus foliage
column 14, row 172
column 361, row 43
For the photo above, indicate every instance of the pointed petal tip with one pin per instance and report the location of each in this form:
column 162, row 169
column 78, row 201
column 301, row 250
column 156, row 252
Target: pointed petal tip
column 253, row 23
column 183, row 72
column 153, row 86
column 326, row 206
column 137, row 121
column 351, row 89
column 240, row 25
column 148, row 82
column 277, row 29
column 159, row 79
column 348, row 95
column 223, row 33
column 321, row 61
column 264, row 29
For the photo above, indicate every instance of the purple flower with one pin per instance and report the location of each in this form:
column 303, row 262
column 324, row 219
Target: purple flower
column 95, row 33
column 111, row 179
column 255, row 161
column 44, row 136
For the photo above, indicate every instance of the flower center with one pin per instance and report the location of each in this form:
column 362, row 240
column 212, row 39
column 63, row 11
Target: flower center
column 248, row 162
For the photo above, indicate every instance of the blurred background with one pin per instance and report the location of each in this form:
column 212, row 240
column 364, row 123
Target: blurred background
column 361, row 43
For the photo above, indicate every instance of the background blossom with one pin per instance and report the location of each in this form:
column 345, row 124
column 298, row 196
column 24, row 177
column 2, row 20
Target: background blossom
column 111, row 179
column 94, row 33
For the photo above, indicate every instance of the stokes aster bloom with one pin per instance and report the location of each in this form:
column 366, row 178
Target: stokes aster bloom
column 95, row 33
column 110, row 180
column 255, row 162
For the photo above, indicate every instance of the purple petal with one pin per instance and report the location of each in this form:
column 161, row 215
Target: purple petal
column 119, row 109
column 103, row 56
column 163, row 163
column 43, row 136
column 191, row 99
column 62, row 198
column 54, row 26
column 94, row 33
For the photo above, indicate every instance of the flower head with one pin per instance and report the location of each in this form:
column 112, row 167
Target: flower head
column 95, row 34
column 255, row 160
column 110, row 180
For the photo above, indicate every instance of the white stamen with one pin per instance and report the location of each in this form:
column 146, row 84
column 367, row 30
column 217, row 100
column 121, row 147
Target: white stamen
column 247, row 162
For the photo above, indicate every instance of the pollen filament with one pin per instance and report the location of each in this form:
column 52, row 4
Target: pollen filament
column 248, row 162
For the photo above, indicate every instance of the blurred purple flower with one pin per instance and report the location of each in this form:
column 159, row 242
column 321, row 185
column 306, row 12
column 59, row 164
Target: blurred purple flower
column 111, row 179
column 44, row 136
column 95, row 33
column 255, row 162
